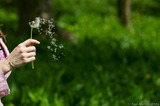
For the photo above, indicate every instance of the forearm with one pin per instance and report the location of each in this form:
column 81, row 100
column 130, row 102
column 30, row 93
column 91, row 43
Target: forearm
column 5, row 66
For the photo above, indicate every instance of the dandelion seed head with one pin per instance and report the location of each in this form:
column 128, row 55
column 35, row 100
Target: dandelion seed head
column 36, row 23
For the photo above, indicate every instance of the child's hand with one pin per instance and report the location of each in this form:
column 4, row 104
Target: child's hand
column 22, row 54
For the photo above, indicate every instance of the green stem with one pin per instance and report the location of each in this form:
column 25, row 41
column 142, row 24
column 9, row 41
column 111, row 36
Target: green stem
column 31, row 31
column 31, row 38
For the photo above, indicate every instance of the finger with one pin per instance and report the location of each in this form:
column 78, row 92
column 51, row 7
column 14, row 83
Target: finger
column 31, row 54
column 28, row 60
column 30, row 49
column 30, row 42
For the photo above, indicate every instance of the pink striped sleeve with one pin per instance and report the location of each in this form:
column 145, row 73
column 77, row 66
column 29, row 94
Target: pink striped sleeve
column 6, row 51
column 7, row 75
column 4, row 89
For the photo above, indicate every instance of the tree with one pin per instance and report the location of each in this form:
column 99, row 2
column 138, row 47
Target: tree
column 29, row 9
column 124, row 11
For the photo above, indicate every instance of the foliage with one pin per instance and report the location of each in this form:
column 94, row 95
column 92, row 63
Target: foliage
column 107, row 64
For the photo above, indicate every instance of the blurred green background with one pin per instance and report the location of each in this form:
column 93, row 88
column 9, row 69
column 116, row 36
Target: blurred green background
column 108, row 62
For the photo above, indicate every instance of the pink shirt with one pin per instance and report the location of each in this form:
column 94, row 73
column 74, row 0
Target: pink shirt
column 4, row 88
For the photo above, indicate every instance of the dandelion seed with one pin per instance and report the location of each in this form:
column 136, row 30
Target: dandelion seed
column 52, row 50
column 49, row 47
column 55, row 50
column 61, row 46
column 63, row 54
column 53, row 39
column 55, row 57
column 53, row 43
column 49, row 32
column 51, row 36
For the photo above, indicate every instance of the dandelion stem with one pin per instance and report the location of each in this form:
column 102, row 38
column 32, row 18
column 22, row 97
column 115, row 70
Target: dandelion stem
column 32, row 65
column 31, row 38
column 31, row 31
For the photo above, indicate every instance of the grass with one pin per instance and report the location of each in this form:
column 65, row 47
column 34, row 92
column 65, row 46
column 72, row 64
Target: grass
column 106, row 65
